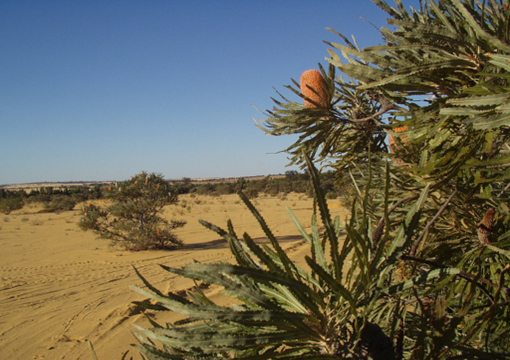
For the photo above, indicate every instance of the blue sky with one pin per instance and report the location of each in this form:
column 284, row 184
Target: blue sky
column 101, row 90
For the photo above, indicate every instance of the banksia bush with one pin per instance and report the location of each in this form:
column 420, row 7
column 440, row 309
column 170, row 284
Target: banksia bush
column 420, row 270
column 286, row 312
column 313, row 87
column 352, row 302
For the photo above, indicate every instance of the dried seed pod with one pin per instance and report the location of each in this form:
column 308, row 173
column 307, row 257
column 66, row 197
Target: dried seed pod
column 312, row 79
column 485, row 233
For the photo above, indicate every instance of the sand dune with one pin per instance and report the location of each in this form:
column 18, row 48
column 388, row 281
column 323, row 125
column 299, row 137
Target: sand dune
column 61, row 287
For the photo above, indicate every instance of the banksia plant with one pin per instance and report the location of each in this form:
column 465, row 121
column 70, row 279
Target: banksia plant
column 350, row 303
column 485, row 228
column 285, row 312
column 341, row 124
column 313, row 87
column 420, row 269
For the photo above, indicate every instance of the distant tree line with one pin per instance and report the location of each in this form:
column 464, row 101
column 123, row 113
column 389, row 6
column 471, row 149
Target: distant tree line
column 53, row 199
column 293, row 181
column 65, row 198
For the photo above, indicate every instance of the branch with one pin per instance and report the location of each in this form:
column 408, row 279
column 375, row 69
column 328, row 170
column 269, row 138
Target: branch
column 504, row 190
column 463, row 274
column 430, row 223
column 386, row 105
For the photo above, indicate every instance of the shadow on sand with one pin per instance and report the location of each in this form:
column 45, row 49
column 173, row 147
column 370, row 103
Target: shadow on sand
column 222, row 243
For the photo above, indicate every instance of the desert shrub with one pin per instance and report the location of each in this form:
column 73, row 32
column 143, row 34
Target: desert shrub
column 61, row 203
column 251, row 192
column 7, row 205
column 133, row 219
column 224, row 189
column 423, row 269
column 331, row 195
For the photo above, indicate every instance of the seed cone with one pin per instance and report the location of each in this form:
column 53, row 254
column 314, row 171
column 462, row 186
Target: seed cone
column 485, row 235
column 313, row 79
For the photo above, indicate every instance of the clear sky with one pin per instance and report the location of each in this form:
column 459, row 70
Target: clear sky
column 101, row 90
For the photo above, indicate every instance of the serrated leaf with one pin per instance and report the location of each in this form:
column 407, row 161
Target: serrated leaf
column 491, row 122
column 423, row 279
column 486, row 100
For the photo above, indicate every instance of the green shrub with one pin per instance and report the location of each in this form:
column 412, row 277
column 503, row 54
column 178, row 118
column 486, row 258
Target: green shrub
column 61, row 203
column 132, row 219
column 10, row 204
column 331, row 195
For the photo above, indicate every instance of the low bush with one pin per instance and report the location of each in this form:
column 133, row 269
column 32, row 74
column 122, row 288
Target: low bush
column 133, row 219
column 61, row 203
column 10, row 204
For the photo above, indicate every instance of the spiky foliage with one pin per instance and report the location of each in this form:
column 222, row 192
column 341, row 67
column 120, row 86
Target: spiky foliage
column 132, row 219
column 357, row 300
column 343, row 129
column 455, row 54
column 423, row 270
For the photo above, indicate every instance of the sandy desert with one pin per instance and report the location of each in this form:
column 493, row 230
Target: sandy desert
column 62, row 288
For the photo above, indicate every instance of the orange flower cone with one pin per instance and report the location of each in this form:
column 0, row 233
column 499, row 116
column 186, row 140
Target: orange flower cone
column 313, row 79
column 393, row 142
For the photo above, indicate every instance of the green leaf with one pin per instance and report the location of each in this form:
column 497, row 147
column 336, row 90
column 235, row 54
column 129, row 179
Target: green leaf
column 486, row 100
column 490, row 122
column 422, row 280
column 326, row 217
column 335, row 285
column 499, row 250
column 287, row 263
